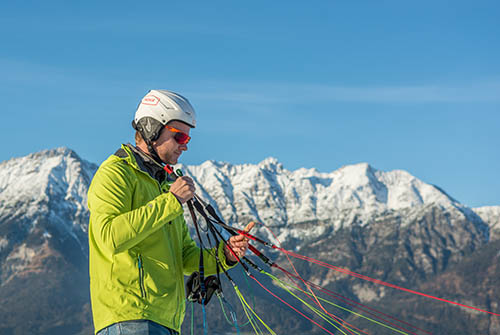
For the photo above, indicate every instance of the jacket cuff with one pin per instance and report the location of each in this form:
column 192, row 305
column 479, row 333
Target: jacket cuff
column 226, row 263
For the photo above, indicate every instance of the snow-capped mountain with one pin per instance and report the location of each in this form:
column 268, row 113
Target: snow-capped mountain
column 266, row 192
column 42, row 196
column 356, row 193
column 50, row 185
column 390, row 225
column 28, row 183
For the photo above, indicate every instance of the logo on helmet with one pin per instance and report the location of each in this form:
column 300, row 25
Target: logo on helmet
column 150, row 100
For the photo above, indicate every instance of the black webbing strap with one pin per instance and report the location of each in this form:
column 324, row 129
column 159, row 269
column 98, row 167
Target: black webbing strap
column 200, row 210
column 217, row 260
column 214, row 232
column 201, row 266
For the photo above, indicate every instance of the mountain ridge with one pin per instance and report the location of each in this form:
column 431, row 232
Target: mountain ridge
column 389, row 225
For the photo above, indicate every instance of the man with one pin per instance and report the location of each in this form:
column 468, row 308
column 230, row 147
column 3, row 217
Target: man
column 139, row 244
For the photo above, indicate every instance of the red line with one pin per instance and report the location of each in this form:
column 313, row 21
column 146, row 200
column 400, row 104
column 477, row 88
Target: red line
column 376, row 281
column 315, row 300
column 359, row 304
column 331, row 315
column 286, row 303
column 345, row 299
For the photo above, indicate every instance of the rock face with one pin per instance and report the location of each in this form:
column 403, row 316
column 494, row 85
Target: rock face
column 387, row 225
column 491, row 215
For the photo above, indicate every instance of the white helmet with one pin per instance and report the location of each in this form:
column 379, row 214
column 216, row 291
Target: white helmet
column 158, row 108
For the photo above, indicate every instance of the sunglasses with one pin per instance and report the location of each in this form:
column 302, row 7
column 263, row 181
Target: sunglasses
column 180, row 136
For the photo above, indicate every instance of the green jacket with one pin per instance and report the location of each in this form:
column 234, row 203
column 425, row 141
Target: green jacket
column 139, row 247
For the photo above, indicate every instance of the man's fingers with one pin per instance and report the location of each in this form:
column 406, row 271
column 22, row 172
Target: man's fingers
column 238, row 241
column 249, row 227
column 237, row 238
column 183, row 188
column 187, row 179
column 239, row 244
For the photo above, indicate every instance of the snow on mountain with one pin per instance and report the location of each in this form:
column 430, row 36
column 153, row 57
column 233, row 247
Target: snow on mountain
column 50, row 186
column 271, row 194
column 490, row 215
column 400, row 225
column 53, row 184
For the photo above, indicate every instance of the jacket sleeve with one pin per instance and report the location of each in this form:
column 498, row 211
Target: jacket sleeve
column 191, row 256
column 115, row 225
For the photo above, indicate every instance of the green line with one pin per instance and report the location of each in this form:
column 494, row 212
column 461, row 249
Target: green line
column 247, row 310
column 252, row 295
column 345, row 309
column 223, row 311
column 248, row 316
column 318, row 312
column 225, row 314
column 243, row 299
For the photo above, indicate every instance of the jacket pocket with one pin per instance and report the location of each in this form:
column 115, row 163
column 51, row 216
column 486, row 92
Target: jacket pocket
column 140, row 266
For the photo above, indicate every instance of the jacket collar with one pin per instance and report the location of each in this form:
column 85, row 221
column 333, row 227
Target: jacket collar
column 143, row 162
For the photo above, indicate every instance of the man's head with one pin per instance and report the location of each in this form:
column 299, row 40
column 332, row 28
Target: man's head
column 163, row 120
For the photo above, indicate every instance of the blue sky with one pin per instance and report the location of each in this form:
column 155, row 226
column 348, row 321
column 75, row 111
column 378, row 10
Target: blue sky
column 400, row 85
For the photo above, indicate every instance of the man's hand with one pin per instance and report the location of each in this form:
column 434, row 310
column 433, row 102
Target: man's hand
column 239, row 244
column 183, row 189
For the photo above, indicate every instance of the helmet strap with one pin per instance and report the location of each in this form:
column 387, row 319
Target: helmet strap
column 154, row 154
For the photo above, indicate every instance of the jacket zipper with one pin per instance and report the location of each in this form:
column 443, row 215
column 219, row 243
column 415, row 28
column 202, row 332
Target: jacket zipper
column 141, row 276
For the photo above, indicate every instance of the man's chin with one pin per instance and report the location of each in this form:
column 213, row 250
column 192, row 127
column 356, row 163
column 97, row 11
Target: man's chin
column 172, row 161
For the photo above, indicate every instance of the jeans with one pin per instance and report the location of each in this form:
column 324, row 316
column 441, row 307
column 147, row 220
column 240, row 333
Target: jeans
column 137, row 327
